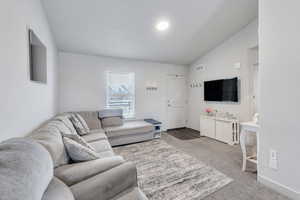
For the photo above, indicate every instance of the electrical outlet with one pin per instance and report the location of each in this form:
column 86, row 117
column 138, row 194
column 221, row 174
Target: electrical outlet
column 273, row 163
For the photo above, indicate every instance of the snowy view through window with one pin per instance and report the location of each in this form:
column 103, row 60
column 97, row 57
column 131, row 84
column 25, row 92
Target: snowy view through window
column 121, row 92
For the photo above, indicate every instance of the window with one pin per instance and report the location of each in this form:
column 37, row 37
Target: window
column 121, row 92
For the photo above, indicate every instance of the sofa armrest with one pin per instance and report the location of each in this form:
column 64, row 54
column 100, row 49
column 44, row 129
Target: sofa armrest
column 77, row 172
column 108, row 184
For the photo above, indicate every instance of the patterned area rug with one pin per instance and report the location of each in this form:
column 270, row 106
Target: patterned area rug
column 165, row 173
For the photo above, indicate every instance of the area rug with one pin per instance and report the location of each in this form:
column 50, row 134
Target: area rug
column 165, row 173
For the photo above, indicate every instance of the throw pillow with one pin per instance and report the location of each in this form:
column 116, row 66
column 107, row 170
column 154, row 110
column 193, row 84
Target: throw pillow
column 83, row 122
column 80, row 129
column 78, row 152
column 79, row 140
column 67, row 122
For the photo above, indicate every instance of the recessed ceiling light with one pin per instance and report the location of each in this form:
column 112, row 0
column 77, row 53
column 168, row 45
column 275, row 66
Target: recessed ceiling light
column 162, row 25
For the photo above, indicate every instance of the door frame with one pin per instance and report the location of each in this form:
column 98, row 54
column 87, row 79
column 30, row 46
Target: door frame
column 167, row 100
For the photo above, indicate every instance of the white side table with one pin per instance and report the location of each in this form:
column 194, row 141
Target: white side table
column 248, row 128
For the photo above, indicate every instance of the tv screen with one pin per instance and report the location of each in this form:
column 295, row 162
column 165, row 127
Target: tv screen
column 225, row 90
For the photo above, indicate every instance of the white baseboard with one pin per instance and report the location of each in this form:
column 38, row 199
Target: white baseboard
column 279, row 187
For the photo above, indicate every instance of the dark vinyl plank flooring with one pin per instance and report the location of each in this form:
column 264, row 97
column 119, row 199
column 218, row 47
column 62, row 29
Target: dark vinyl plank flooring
column 184, row 134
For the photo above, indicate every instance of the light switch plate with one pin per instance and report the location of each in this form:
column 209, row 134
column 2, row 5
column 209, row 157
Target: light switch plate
column 273, row 163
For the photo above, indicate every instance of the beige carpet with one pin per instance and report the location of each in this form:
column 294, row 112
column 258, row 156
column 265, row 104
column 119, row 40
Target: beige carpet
column 165, row 173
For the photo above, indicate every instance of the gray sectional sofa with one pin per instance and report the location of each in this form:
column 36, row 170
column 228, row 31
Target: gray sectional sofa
column 38, row 166
column 121, row 132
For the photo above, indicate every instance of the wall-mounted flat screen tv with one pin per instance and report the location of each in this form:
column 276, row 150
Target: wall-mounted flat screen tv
column 223, row 90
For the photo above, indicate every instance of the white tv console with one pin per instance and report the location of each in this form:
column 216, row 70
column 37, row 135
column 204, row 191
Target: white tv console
column 220, row 128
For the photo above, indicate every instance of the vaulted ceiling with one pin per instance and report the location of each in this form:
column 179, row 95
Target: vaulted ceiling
column 126, row 29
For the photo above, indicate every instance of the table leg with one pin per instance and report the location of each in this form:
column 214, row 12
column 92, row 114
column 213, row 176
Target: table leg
column 243, row 147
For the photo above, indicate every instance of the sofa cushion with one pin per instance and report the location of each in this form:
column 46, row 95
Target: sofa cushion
column 65, row 119
column 112, row 121
column 106, row 185
column 50, row 137
column 78, row 152
column 60, row 126
column 57, row 190
column 26, row 169
column 102, row 146
column 106, row 154
column 91, row 118
column 77, row 172
column 129, row 128
column 95, row 135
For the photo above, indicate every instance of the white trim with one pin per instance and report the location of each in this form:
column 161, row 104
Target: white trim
column 279, row 187
column 129, row 115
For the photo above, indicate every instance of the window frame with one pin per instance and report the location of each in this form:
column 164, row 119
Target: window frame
column 129, row 115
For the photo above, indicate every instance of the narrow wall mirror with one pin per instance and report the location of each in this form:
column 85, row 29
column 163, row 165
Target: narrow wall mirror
column 37, row 59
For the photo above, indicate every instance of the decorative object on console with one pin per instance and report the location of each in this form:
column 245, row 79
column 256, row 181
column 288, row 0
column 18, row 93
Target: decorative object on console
column 209, row 111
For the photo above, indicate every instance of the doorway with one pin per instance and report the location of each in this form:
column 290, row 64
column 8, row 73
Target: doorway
column 254, row 86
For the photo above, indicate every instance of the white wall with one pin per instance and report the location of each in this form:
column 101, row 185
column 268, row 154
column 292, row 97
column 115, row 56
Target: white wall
column 83, row 83
column 280, row 95
column 219, row 63
column 24, row 104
